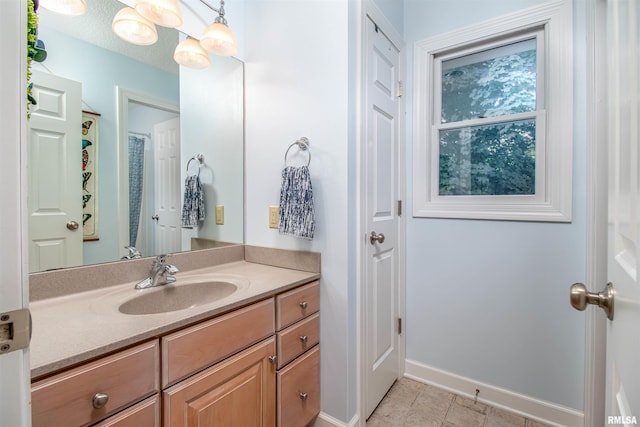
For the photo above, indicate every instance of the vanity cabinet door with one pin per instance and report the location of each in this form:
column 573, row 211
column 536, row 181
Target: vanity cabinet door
column 299, row 390
column 239, row 391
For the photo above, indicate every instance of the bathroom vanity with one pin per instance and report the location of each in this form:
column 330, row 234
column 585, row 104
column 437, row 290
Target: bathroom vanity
column 251, row 356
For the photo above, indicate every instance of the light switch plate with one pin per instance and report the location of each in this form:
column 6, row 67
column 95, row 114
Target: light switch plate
column 274, row 216
column 219, row 214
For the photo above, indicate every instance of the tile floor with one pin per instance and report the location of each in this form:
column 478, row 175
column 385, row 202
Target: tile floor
column 413, row 404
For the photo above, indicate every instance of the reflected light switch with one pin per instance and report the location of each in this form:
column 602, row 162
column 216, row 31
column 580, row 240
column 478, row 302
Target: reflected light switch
column 219, row 214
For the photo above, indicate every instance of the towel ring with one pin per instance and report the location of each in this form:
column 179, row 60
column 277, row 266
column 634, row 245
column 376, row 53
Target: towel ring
column 303, row 145
column 200, row 159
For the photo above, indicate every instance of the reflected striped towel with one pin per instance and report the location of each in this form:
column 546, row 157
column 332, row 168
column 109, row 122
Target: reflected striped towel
column 296, row 203
column 193, row 206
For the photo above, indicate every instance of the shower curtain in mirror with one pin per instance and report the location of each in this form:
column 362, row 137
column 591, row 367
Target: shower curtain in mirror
column 136, row 172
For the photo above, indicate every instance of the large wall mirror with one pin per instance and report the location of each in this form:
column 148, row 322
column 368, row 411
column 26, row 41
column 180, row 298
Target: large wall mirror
column 117, row 130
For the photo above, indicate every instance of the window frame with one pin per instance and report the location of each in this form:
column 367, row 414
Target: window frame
column 551, row 24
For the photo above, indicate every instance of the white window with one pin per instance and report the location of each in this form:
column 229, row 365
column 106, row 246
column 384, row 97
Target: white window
column 493, row 119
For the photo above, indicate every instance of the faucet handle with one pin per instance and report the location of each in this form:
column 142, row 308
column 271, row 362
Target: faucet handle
column 171, row 269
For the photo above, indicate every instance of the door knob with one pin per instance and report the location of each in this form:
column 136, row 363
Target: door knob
column 580, row 297
column 73, row 225
column 155, row 217
column 373, row 238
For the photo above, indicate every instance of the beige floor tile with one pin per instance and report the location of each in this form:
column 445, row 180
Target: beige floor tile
column 405, row 390
column 499, row 418
column 460, row 416
column 434, row 402
column 392, row 412
column 417, row 418
column 471, row 404
column 376, row 421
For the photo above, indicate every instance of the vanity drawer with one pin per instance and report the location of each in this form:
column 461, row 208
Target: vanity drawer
column 299, row 390
column 145, row 413
column 68, row 398
column 193, row 349
column 297, row 339
column 296, row 304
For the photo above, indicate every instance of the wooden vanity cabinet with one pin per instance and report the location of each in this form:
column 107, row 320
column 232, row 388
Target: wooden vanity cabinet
column 258, row 365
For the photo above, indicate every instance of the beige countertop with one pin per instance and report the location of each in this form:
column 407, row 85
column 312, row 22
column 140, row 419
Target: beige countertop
column 74, row 328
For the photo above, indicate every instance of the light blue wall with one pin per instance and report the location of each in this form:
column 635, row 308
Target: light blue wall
column 100, row 71
column 296, row 73
column 394, row 12
column 488, row 300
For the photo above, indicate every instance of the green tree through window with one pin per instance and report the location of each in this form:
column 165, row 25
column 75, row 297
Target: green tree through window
column 497, row 158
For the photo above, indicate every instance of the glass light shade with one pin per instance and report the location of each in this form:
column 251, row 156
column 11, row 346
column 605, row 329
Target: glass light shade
column 132, row 27
column 162, row 12
column 218, row 38
column 65, row 7
column 190, row 54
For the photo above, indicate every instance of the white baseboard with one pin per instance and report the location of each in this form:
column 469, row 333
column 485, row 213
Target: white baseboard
column 326, row 420
column 535, row 409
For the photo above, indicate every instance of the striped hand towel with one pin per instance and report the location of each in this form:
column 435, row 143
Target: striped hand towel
column 296, row 203
column 193, row 206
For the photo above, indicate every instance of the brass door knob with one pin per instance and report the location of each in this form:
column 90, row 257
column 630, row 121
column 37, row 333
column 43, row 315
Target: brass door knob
column 580, row 298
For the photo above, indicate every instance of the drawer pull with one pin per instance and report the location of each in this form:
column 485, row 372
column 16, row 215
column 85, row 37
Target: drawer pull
column 303, row 305
column 303, row 396
column 100, row 400
column 273, row 359
column 304, row 338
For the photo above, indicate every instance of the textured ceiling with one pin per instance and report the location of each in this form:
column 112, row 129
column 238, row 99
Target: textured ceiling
column 95, row 27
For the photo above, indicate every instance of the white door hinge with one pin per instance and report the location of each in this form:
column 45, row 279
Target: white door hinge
column 399, row 89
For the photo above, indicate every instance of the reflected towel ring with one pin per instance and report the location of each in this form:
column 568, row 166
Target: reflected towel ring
column 303, row 145
column 200, row 159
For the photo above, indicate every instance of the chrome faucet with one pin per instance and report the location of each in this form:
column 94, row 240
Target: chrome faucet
column 161, row 274
column 133, row 253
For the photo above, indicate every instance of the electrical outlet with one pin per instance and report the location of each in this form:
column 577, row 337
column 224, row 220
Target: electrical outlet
column 274, row 216
column 219, row 214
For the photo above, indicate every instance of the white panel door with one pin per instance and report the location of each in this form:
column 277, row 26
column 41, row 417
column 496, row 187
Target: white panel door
column 623, row 342
column 55, row 173
column 381, row 282
column 14, row 365
column 167, row 186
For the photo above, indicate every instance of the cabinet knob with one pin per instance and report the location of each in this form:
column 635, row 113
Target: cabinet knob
column 273, row 359
column 304, row 338
column 303, row 396
column 100, row 400
column 303, row 304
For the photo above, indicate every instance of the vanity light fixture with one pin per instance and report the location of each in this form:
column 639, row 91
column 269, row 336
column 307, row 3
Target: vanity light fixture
column 65, row 7
column 162, row 12
column 217, row 37
column 190, row 54
column 130, row 26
